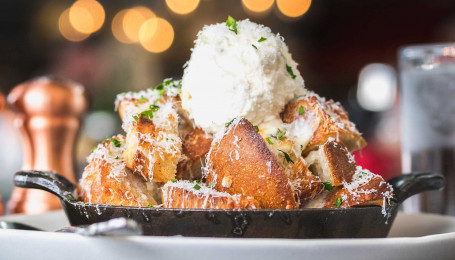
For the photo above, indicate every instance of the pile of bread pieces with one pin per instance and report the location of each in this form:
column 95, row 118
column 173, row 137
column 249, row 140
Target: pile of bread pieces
column 165, row 161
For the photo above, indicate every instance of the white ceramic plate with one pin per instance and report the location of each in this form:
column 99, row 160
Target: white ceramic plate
column 413, row 236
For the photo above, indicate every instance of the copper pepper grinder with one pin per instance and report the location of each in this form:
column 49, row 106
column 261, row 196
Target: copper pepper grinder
column 49, row 115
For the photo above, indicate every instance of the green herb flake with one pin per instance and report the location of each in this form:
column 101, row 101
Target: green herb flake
column 147, row 113
column 301, row 110
column 197, row 187
column 94, row 148
column 173, row 180
column 116, row 157
column 142, row 99
column 70, row 197
column 211, row 185
column 286, row 156
column 150, row 205
column 229, row 123
column 167, row 82
column 290, row 71
column 257, row 128
column 280, row 134
column 262, row 39
column 115, row 142
column 338, row 202
column 268, row 140
column 231, row 23
column 254, row 46
column 327, row 185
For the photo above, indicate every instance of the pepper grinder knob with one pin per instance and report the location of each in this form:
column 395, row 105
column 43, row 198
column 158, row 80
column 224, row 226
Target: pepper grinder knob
column 49, row 115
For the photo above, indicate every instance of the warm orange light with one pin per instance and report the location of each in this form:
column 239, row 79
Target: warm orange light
column 86, row 16
column 117, row 27
column 156, row 35
column 257, row 6
column 133, row 20
column 182, row 6
column 67, row 30
column 293, row 8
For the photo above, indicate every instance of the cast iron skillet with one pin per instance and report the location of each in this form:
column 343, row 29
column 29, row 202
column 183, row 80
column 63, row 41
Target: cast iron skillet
column 358, row 222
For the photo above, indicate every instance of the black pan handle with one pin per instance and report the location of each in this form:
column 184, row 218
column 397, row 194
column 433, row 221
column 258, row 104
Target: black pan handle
column 47, row 181
column 407, row 185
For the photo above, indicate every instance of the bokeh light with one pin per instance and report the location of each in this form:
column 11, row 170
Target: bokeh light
column 182, row 6
column 156, row 35
column 117, row 28
column 377, row 87
column 67, row 30
column 257, row 6
column 293, row 8
column 86, row 16
column 133, row 20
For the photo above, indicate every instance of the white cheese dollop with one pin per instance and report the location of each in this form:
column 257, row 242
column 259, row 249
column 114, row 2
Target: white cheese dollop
column 228, row 77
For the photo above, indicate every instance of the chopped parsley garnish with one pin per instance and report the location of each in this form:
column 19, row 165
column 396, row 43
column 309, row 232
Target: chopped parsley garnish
column 231, row 23
column 70, row 197
column 257, row 128
column 94, row 148
column 198, row 181
column 147, row 113
column 301, row 110
column 286, row 156
column 254, row 46
column 116, row 157
column 280, row 134
column 142, row 99
column 327, row 185
column 197, row 187
column 211, row 185
column 150, row 205
column 173, row 180
column 229, row 123
column 262, row 39
column 115, row 142
column 290, row 71
column 268, row 140
column 337, row 202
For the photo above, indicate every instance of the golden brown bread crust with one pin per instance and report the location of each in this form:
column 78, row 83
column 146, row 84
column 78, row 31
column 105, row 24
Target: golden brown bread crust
column 179, row 197
column 332, row 162
column 333, row 122
column 241, row 163
column 306, row 185
column 99, row 185
column 371, row 193
column 143, row 145
column 196, row 144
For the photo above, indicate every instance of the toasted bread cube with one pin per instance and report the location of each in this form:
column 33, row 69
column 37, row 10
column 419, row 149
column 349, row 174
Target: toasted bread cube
column 306, row 185
column 192, row 195
column 366, row 188
column 106, row 180
column 151, row 152
column 153, row 147
column 239, row 162
column 332, row 162
column 196, row 144
column 328, row 119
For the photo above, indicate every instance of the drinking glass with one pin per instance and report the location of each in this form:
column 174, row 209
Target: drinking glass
column 427, row 79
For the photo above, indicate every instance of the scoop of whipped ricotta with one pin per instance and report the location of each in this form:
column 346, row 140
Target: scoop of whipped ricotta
column 244, row 73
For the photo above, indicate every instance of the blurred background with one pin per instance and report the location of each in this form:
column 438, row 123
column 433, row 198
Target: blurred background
column 346, row 50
